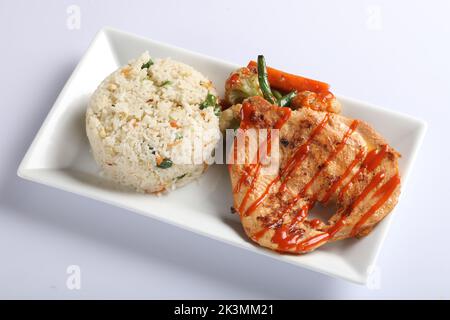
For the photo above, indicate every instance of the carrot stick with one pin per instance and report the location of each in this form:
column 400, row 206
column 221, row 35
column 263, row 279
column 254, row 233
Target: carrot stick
column 287, row 82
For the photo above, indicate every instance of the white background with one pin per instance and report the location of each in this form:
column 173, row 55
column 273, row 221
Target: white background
column 392, row 53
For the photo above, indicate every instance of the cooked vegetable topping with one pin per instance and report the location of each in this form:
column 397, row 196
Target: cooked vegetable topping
column 229, row 118
column 165, row 83
column 287, row 82
column 147, row 65
column 241, row 84
column 182, row 176
column 263, row 79
column 259, row 80
column 165, row 163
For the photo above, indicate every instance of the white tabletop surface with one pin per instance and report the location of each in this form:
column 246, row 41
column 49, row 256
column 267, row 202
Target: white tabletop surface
column 392, row 53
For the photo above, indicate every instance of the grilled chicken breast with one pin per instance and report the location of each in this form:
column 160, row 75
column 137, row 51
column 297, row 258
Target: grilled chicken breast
column 323, row 158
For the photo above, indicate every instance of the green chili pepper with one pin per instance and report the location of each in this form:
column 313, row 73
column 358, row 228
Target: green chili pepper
column 285, row 101
column 147, row 65
column 210, row 101
column 263, row 80
column 166, row 163
column 165, row 83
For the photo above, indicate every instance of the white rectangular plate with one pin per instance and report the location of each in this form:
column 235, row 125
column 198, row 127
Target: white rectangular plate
column 59, row 156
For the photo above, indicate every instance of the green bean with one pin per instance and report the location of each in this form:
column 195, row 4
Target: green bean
column 263, row 80
column 277, row 94
column 285, row 101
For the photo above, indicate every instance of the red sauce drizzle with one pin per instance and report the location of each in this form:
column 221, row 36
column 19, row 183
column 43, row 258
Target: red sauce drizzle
column 372, row 185
column 258, row 235
column 250, row 188
column 315, row 223
column 372, row 161
column 246, row 173
column 347, row 172
column 385, row 191
column 332, row 155
column 293, row 162
column 300, row 155
column 246, row 113
column 235, row 150
column 258, row 201
column 283, row 236
column 284, row 118
column 313, row 241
